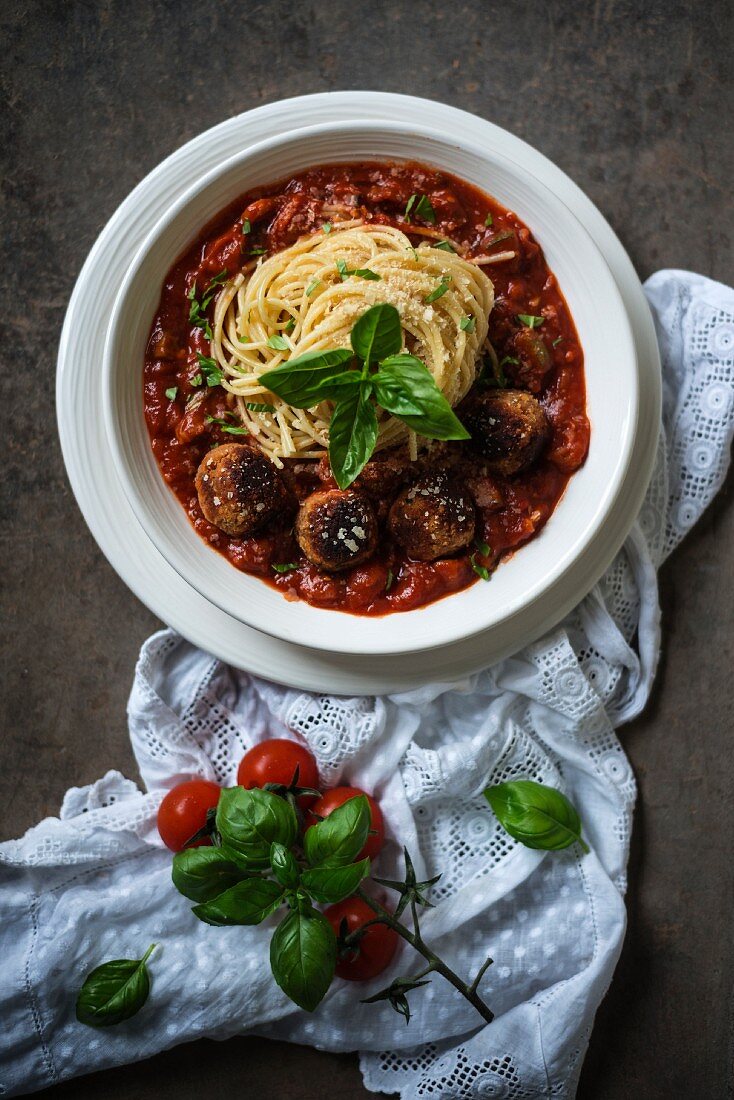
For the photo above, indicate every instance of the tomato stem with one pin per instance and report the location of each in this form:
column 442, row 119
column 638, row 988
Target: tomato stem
column 435, row 963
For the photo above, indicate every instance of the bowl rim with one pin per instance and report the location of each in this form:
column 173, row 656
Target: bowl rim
column 330, row 617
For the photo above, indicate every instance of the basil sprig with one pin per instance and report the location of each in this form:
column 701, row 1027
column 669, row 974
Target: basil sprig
column 253, row 870
column 114, row 991
column 536, row 815
column 402, row 385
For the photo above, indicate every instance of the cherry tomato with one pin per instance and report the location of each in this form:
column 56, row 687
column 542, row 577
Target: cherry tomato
column 183, row 812
column 376, row 948
column 336, row 797
column 275, row 761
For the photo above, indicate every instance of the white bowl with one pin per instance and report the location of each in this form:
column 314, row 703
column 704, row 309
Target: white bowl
column 611, row 383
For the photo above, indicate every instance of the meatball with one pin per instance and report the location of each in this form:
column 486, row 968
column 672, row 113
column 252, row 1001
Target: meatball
column 508, row 428
column 239, row 489
column 336, row 529
column 433, row 518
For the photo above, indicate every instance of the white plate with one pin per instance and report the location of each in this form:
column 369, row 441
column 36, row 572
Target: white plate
column 530, row 577
column 99, row 492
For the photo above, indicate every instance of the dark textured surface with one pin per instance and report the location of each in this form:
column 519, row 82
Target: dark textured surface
column 637, row 108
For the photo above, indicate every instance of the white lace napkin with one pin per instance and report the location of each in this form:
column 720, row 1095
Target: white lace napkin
column 95, row 883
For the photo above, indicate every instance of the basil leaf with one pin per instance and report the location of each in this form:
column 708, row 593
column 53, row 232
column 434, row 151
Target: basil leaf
column 439, row 292
column 445, row 246
column 409, row 206
column 259, row 407
column 404, row 383
column 352, row 435
column 249, row 822
column 171, row 393
column 277, row 342
column 366, row 273
column 467, row 324
column 284, row 865
column 303, row 957
column 246, row 226
column 114, row 991
column 326, row 227
column 425, row 210
column 203, row 873
column 227, row 425
column 536, row 815
column 307, row 379
column 249, row 902
column 489, row 221
column 312, row 286
column 329, row 884
column 285, row 567
column 530, row 320
column 377, row 333
column 340, row 837
column 480, row 570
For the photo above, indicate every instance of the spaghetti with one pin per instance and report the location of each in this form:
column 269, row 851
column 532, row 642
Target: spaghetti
column 307, row 298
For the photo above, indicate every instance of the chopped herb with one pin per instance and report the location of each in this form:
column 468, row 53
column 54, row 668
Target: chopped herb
column 410, row 248
column 482, row 547
column 360, row 272
column 326, row 227
column 480, row 570
column 256, row 406
column 529, row 320
column 243, row 340
column 489, row 221
column 246, row 226
column 290, row 326
column 197, row 379
column 279, row 343
column 220, row 278
column 423, row 209
column 409, row 206
column 445, row 246
column 171, row 393
column 197, row 314
column 440, row 290
column 287, row 567
column 557, row 341
column 467, row 324
column 226, row 425
column 311, row 287
column 389, row 581
column 258, row 251
column 509, row 359
column 500, row 237
column 209, row 369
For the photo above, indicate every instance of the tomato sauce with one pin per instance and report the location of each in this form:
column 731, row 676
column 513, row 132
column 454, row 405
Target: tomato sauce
column 179, row 402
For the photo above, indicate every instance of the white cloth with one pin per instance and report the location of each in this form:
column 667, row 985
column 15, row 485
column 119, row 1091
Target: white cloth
column 95, row 883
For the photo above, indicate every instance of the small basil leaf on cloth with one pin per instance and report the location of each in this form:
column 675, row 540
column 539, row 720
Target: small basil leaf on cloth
column 114, row 991
column 352, row 435
column 249, row 902
column 249, row 822
column 303, row 956
column 301, row 381
column 403, row 380
column 536, row 815
column 377, row 333
column 340, row 837
column 329, row 884
column 284, row 866
column 203, row 873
